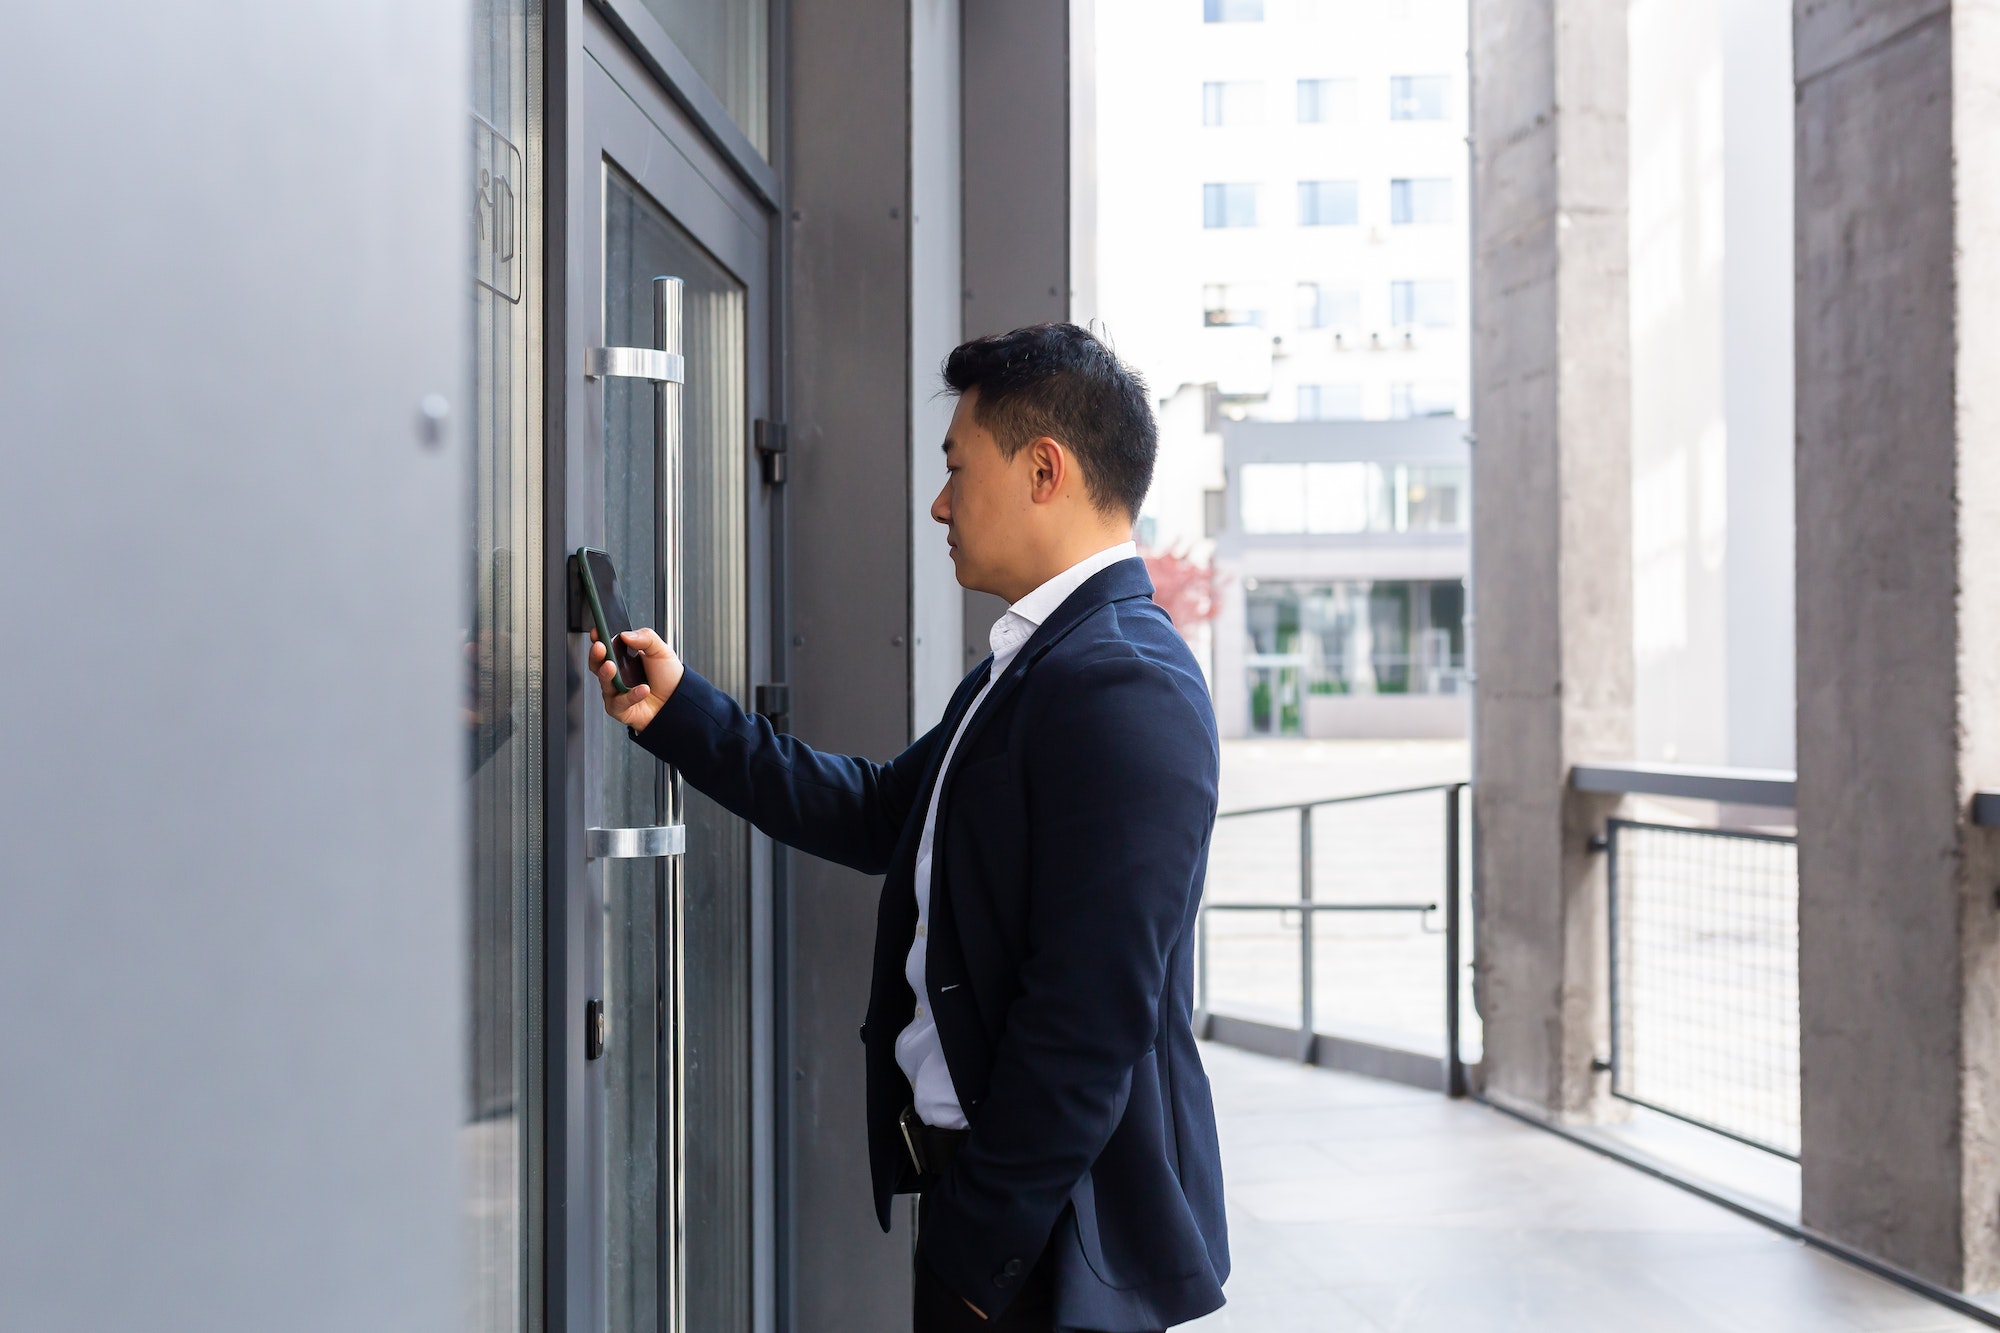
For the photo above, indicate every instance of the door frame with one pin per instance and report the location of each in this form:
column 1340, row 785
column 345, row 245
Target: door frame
column 604, row 99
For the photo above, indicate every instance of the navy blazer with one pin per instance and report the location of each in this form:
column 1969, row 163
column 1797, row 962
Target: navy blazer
column 1071, row 845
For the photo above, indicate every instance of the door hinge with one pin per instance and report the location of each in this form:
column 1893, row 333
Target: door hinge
column 774, row 704
column 595, row 1029
column 770, row 442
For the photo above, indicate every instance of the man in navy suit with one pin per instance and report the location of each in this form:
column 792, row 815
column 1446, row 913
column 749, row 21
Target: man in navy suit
column 1032, row 1069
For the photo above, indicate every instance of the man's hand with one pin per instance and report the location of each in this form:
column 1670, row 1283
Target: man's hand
column 640, row 704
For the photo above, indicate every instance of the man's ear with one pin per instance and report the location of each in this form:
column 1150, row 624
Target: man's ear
column 1049, row 464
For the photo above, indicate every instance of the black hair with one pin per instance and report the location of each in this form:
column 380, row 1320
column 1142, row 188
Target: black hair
column 1059, row 381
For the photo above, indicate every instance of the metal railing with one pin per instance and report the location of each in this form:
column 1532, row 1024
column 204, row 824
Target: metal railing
column 1704, row 957
column 1705, row 978
column 1307, row 1043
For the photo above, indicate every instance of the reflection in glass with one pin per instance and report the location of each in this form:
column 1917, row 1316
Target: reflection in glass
column 678, row 945
column 729, row 44
column 503, row 712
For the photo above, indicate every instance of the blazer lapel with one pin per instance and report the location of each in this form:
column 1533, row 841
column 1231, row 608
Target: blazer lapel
column 1115, row 583
column 905, row 860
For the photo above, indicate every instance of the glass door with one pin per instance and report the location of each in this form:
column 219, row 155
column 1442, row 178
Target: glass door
column 503, row 711
column 666, row 256
column 675, row 930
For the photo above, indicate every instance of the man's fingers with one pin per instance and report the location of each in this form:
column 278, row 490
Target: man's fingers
column 645, row 642
column 627, row 708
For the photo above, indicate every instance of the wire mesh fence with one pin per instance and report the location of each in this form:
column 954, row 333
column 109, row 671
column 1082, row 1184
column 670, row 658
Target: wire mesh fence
column 1705, row 978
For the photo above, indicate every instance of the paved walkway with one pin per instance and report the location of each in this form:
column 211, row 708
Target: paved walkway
column 1363, row 1207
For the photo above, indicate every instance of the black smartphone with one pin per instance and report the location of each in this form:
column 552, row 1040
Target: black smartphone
column 607, row 614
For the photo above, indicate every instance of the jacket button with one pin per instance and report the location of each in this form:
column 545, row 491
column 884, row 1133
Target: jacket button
column 1013, row 1269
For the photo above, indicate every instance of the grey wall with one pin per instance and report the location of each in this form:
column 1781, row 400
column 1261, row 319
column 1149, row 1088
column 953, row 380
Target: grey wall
column 849, row 395
column 1551, row 529
column 879, row 228
column 1017, row 188
column 230, row 761
column 1898, row 477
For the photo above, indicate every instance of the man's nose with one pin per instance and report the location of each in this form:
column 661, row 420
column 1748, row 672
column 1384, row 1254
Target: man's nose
column 941, row 507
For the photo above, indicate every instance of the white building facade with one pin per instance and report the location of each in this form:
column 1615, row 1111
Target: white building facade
column 1280, row 213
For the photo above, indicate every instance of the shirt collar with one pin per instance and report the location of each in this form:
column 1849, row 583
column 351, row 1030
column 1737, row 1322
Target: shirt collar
column 1013, row 630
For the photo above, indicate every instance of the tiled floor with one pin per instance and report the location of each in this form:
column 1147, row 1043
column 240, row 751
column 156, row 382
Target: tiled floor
column 1361, row 1207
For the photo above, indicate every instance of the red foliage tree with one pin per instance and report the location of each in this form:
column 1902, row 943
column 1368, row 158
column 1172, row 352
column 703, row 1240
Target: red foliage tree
column 1184, row 588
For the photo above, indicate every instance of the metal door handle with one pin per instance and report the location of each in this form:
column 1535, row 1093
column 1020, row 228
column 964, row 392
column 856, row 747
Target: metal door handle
column 639, row 363
column 627, row 844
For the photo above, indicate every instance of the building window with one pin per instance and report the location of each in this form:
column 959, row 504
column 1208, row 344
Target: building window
column 1433, row 399
column 1327, row 101
column 1238, row 103
column 1420, row 202
column 1232, row 305
column 1422, row 304
column 1329, row 402
column 1232, row 11
column 1418, row 96
column 1334, row 499
column 1324, row 305
column 1329, row 203
column 1357, row 636
column 1229, row 205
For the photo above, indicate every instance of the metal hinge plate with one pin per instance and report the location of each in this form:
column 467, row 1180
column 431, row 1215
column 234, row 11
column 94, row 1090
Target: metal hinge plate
column 771, row 450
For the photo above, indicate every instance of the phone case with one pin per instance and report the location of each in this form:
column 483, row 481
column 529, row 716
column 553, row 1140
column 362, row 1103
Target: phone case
column 618, row 680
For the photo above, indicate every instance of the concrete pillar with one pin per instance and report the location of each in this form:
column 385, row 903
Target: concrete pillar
column 1898, row 495
column 1551, row 528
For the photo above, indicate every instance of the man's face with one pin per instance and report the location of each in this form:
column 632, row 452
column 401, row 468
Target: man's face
column 986, row 504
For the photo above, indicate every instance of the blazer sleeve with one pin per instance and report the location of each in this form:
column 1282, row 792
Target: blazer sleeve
column 845, row 809
column 1121, row 798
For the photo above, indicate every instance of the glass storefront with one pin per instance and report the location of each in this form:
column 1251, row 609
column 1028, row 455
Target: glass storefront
column 1351, row 637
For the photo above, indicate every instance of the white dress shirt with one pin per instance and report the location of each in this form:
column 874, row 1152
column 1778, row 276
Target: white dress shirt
column 917, row 1048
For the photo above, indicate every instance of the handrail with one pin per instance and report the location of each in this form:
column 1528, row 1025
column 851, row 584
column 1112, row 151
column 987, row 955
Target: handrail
column 1775, row 787
column 1341, row 800
column 1319, row 907
column 1307, row 1037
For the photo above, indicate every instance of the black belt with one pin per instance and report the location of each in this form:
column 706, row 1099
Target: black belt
column 931, row 1149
